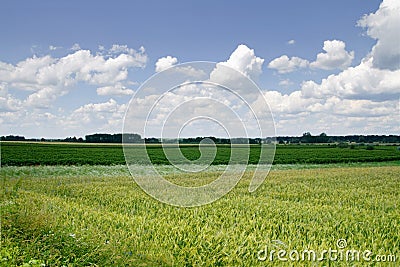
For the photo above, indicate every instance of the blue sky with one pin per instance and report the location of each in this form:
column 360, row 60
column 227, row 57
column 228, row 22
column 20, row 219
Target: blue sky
column 146, row 31
column 190, row 30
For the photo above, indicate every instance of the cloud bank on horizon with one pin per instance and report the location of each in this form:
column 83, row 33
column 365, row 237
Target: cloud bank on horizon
column 353, row 98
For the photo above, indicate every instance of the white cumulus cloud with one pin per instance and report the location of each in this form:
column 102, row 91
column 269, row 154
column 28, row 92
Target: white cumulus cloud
column 293, row 103
column 284, row 64
column 8, row 103
column 50, row 78
column 384, row 26
column 95, row 117
column 43, row 98
column 165, row 63
column 335, row 56
column 117, row 89
column 363, row 99
column 244, row 60
column 359, row 82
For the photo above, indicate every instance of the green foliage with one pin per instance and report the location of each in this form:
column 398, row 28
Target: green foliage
column 31, row 154
column 97, row 216
column 326, row 154
column 343, row 145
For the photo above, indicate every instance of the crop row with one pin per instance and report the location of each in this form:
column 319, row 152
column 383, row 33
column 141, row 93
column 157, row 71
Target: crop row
column 22, row 154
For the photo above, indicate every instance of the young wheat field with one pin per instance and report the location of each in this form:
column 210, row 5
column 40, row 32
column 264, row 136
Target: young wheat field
column 97, row 216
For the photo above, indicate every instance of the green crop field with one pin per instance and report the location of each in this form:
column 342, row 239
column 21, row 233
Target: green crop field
column 19, row 154
column 97, row 216
column 77, row 205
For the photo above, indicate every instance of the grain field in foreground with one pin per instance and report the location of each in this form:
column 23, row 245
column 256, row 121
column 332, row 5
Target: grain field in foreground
column 97, row 215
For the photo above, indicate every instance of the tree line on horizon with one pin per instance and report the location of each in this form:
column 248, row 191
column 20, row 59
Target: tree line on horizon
column 306, row 138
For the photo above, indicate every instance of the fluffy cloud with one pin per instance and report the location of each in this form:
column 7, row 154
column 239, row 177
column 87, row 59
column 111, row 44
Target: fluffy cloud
column 8, row 103
column 89, row 118
column 361, row 108
column 80, row 66
column 50, row 77
column 124, row 49
column 24, row 74
column 363, row 99
column 108, row 107
column 295, row 113
column 284, row 64
column 234, row 73
column 244, row 60
column 293, row 103
column 377, row 77
column 30, row 88
column 291, row 42
column 165, row 63
column 184, row 69
column 169, row 113
column 359, row 82
column 384, row 26
column 43, row 98
column 335, row 56
column 96, row 117
column 117, row 89
column 337, row 124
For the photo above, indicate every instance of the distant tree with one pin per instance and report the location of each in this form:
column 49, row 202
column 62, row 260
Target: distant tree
column 322, row 138
column 13, row 138
column 307, row 138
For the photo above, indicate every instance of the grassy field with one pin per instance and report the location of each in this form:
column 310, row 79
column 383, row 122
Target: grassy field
column 97, row 216
column 77, row 205
column 19, row 154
